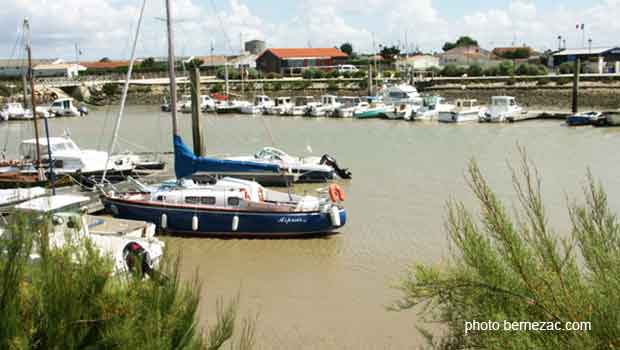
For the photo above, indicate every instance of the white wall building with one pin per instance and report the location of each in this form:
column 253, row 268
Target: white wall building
column 64, row 70
column 418, row 62
column 15, row 68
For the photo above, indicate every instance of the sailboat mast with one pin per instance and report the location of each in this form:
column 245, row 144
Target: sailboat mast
column 32, row 93
column 171, row 72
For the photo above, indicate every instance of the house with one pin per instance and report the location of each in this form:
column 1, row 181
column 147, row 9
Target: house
column 245, row 60
column 64, row 70
column 466, row 56
column 599, row 59
column 295, row 60
column 417, row 62
column 14, row 68
column 106, row 64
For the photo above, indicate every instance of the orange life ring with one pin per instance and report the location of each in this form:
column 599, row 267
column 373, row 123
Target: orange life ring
column 336, row 194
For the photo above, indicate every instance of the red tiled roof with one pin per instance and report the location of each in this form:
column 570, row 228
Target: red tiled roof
column 307, row 52
column 108, row 64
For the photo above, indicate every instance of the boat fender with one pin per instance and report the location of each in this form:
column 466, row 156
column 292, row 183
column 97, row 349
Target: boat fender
column 164, row 221
column 195, row 223
column 336, row 194
column 334, row 215
column 261, row 194
column 235, row 223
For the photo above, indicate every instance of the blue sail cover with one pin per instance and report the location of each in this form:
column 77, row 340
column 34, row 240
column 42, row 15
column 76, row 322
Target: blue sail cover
column 186, row 163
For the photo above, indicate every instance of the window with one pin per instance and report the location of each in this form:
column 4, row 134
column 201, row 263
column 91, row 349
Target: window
column 160, row 198
column 233, row 201
column 192, row 200
column 207, row 200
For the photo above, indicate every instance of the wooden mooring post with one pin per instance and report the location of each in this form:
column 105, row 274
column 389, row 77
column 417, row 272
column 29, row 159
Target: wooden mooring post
column 577, row 68
column 198, row 136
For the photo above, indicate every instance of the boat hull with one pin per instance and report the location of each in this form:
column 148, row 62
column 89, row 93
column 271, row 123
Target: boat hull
column 578, row 121
column 219, row 222
column 378, row 113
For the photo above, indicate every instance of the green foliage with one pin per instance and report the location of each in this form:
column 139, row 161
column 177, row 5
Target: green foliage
column 273, row 76
column 347, row 48
column 111, row 89
column 69, row 299
column 452, row 70
column 313, row 73
column 462, row 41
column 332, row 86
column 389, row 53
column 233, row 73
column 506, row 68
column 6, row 91
column 530, row 69
column 360, row 74
column 507, row 267
column 475, row 70
column 148, row 62
column 518, row 53
column 567, row 68
column 491, row 71
column 217, row 88
column 194, row 63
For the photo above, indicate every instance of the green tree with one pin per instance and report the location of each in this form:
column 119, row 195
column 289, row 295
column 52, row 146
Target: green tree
column 506, row 68
column 475, row 70
column 462, row 41
column 347, row 48
column 505, row 267
column 148, row 62
column 389, row 53
column 567, row 68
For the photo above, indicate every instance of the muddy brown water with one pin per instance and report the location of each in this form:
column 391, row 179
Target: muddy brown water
column 332, row 293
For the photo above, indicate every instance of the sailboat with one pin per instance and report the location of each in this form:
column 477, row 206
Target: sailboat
column 230, row 207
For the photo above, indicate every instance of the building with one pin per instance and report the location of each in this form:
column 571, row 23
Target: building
column 106, row 64
column 15, row 68
column 60, row 70
column 417, row 62
column 295, row 60
column 246, row 61
column 599, row 60
column 466, row 56
column 255, row 47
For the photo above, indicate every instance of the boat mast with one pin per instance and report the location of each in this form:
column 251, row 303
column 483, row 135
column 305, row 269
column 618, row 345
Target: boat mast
column 32, row 93
column 171, row 72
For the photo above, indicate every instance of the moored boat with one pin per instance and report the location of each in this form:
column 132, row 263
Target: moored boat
column 463, row 111
column 582, row 119
column 502, row 109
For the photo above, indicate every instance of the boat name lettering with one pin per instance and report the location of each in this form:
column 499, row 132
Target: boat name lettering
column 287, row 220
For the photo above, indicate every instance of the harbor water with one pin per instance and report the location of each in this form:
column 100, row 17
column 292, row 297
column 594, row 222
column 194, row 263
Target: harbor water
column 333, row 293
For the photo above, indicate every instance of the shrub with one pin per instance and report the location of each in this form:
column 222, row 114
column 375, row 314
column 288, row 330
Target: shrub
column 518, row 268
column 452, row 70
column 332, row 86
column 217, row 88
column 360, row 74
column 475, row 70
column 70, row 300
column 506, row 68
column 111, row 89
column 5, row 91
column 491, row 71
column 273, row 75
column 567, row 68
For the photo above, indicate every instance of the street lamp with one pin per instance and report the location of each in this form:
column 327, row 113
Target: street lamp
column 559, row 42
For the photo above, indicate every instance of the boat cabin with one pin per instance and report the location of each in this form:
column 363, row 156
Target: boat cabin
column 329, row 99
column 349, row 101
column 503, row 101
column 261, row 100
column 303, row 100
column 228, row 192
column 282, row 101
column 465, row 104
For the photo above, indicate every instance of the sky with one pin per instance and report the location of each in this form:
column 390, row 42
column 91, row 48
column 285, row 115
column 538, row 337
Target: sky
column 105, row 28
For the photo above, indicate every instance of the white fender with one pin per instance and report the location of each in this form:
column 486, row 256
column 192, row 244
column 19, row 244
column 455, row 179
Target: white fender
column 195, row 223
column 235, row 223
column 334, row 215
column 164, row 221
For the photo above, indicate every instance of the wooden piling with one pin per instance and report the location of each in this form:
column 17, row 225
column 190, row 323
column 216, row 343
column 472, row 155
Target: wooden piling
column 577, row 68
column 198, row 136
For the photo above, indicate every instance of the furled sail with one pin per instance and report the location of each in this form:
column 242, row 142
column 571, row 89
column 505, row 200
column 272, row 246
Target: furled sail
column 186, row 163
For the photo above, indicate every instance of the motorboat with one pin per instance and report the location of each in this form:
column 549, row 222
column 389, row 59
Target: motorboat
column 231, row 106
column 126, row 242
column 206, row 104
column 64, row 107
column 582, row 119
column 69, row 159
column 503, row 109
column 404, row 110
column 14, row 111
column 348, row 105
column 326, row 108
column 431, row 107
column 260, row 106
column 375, row 109
column 611, row 118
column 303, row 104
column 308, row 169
column 464, row 111
column 282, row 106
